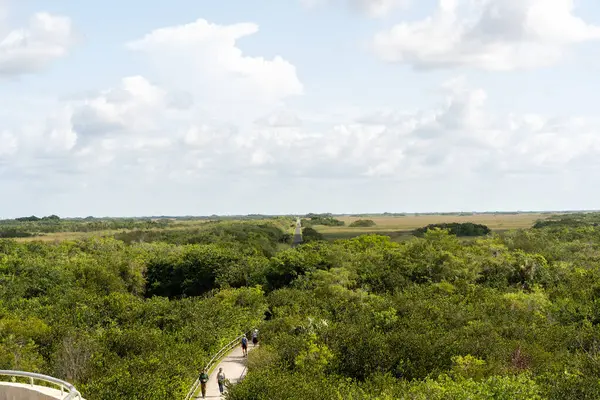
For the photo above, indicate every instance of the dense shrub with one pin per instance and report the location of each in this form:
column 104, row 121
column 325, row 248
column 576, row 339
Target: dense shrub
column 74, row 310
column 310, row 234
column 362, row 223
column 504, row 316
column 321, row 219
column 569, row 221
column 455, row 228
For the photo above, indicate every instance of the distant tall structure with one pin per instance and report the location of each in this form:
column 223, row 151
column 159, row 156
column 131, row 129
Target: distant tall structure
column 297, row 233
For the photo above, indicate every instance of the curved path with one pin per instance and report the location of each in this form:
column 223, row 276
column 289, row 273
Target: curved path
column 234, row 367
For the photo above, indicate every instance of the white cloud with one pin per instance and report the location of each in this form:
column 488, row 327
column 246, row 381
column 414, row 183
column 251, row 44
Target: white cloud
column 372, row 8
column 131, row 131
column 204, row 56
column 8, row 144
column 59, row 135
column 167, row 133
column 498, row 35
column 280, row 118
column 380, row 8
column 47, row 38
column 132, row 107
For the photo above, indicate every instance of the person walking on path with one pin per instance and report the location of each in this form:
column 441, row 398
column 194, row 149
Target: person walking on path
column 255, row 337
column 245, row 346
column 203, row 379
column 221, row 380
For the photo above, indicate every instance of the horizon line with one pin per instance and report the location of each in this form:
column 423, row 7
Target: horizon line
column 401, row 213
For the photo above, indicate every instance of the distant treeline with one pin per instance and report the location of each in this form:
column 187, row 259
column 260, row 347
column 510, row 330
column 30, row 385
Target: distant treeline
column 254, row 238
column 34, row 226
column 569, row 221
column 455, row 228
column 33, row 218
column 321, row 219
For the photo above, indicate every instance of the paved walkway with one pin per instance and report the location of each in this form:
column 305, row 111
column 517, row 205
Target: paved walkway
column 234, row 367
column 297, row 233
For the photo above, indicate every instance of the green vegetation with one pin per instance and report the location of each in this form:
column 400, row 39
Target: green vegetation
column 134, row 316
column 569, row 220
column 257, row 237
column 33, row 218
column 362, row 223
column 77, row 311
column 458, row 229
column 321, row 219
column 510, row 316
column 34, row 226
column 310, row 235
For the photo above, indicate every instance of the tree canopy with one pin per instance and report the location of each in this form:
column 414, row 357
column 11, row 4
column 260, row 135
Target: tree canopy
column 134, row 316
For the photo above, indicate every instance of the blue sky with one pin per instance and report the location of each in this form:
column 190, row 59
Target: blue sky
column 188, row 107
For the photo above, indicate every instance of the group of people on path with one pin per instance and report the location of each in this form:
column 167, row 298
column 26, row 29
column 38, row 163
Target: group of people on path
column 204, row 380
column 221, row 375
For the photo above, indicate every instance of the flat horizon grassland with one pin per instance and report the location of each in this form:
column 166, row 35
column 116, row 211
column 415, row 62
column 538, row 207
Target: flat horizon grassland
column 62, row 236
column 194, row 224
column 400, row 227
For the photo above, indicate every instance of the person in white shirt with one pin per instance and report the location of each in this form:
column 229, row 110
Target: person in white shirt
column 221, row 380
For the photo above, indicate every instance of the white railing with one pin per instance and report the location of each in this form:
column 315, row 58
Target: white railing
column 211, row 363
column 67, row 391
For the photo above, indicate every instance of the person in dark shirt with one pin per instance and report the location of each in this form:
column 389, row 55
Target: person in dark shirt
column 203, row 379
column 255, row 337
column 245, row 345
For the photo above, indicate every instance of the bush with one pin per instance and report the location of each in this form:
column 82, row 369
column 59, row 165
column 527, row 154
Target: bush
column 455, row 228
column 310, row 235
column 325, row 220
column 362, row 223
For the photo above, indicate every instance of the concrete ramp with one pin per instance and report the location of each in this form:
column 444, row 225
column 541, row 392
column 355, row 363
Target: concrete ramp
column 21, row 391
column 12, row 389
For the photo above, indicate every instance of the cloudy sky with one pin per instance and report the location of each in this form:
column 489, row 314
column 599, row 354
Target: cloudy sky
column 148, row 107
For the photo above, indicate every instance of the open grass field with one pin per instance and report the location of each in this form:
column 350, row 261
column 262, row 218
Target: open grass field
column 400, row 227
column 60, row 236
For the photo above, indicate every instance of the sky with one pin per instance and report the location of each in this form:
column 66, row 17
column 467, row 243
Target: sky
column 188, row 107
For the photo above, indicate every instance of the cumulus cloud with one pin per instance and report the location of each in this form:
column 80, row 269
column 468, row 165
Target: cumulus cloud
column 206, row 58
column 131, row 125
column 498, row 35
column 180, row 129
column 29, row 49
column 460, row 136
column 128, row 137
column 139, row 126
column 131, row 107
